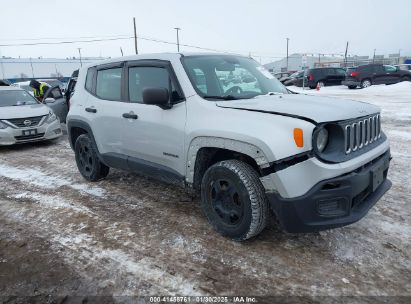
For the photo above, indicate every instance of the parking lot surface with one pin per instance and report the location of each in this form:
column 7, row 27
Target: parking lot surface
column 129, row 235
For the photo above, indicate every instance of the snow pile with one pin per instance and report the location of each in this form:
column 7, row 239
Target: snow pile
column 40, row 179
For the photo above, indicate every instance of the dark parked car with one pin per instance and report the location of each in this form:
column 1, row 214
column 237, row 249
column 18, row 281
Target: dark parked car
column 4, row 82
column 293, row 78
column 322, row 77
column 367, row 75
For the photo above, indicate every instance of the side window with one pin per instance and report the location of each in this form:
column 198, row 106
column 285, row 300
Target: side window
column 140, row 78
column 109, row 84
column 378, row 69
column 389, row 68
column 89, row 79
column 340, row 72
column 367, row 69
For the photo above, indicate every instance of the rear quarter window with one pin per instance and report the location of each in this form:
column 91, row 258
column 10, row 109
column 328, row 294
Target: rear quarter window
column 89, row 79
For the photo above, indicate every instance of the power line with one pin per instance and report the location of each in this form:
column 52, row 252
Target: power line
column 92, row 39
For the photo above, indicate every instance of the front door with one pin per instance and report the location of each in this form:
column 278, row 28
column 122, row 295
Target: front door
column 55, row 100
column 154, row 136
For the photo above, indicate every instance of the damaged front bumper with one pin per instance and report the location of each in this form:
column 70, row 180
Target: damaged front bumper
column 334, row 202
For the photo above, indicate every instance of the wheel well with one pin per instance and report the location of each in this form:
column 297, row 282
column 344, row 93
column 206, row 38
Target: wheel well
column 206, row 157
column 75, row 132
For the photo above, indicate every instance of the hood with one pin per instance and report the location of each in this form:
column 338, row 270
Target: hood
column 315, row 109
column 23, row 111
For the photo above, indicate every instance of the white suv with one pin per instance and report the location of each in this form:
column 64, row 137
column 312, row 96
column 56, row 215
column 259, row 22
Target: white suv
column 225, row 127
column 23, row 119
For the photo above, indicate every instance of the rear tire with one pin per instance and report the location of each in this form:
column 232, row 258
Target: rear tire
column 406, row 78
column 234, row 200
column 87, row 160
column 366, row 83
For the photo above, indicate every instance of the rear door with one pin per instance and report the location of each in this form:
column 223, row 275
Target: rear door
column 55, row 100
column 339, row 75
column 392, row 75
column 104, row 111
column 378, row 74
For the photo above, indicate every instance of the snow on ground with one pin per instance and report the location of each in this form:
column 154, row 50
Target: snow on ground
column 39, row 178
column 129, row 235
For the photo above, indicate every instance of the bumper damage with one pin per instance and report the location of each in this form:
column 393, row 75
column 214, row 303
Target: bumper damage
column 334, row 202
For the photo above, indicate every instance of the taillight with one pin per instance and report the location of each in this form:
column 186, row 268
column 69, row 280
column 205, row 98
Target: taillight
column 310, row 77
column 354, row 74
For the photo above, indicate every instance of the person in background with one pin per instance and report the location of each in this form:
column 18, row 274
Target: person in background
column 39, row 88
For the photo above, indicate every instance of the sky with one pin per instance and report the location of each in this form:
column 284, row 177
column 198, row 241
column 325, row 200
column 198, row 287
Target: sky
column 259, row 27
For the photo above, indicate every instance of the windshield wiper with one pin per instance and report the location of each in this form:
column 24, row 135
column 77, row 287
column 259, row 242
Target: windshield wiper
column 224, row 97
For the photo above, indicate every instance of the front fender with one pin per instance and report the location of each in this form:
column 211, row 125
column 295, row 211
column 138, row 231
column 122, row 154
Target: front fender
column 224, row 143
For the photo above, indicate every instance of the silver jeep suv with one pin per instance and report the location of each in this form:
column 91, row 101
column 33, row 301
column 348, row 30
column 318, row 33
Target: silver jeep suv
column 223, row 126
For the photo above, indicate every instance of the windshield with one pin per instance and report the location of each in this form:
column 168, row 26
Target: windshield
column 16, row 98
column 230, row 77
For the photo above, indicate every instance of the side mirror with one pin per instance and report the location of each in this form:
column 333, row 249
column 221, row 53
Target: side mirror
column 49, row 100
column 157, row 96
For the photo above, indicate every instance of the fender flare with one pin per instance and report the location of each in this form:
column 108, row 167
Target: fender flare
column 74, row 123
column 224, row 143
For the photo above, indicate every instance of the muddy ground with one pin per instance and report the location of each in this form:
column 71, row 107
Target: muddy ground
column 128, row 235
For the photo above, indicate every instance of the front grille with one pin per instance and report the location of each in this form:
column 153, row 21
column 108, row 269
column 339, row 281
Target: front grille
column 360, row 133
column 23, row 122
column 29, row 137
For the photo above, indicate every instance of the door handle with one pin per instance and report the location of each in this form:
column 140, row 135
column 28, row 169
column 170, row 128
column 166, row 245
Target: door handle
column 91, row 110
column 130, row 116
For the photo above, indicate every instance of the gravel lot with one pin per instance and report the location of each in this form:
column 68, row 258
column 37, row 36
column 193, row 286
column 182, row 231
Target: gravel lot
column 128, row 235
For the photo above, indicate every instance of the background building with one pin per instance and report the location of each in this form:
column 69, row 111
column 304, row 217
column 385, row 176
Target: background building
column 12, row 68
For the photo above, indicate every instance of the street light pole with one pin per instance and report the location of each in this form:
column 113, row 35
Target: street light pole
column 287, row 52
column 178, row 40
column 79, row 51
column 373, row 57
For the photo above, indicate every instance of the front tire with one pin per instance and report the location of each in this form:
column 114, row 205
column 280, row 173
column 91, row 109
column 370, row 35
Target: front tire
column 234, row 200
column 352, row 87
column 87, row 160
column 406, row 78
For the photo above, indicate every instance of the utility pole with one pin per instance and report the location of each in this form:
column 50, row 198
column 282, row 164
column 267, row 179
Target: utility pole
column 121, row 50
column 178, row 40
column 319, row 59
column 2, row 66
column 135, row 35
column 373, row 57
column 399, row 56
column 288, row 39
column 79, row 51
column 32, row 70
column 345, row 56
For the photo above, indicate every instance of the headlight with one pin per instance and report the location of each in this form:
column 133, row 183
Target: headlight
column 3, row 125
column 322, row 139
column 52, row 117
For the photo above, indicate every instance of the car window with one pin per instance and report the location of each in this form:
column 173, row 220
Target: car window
column 390, row 68
column 140, row 78
column 367, row 68
column 377, row 69
column 55, row 93
column 221, row 76
column 340, row 72
column 16, row 98
column 89, row 79
column 109, row 84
